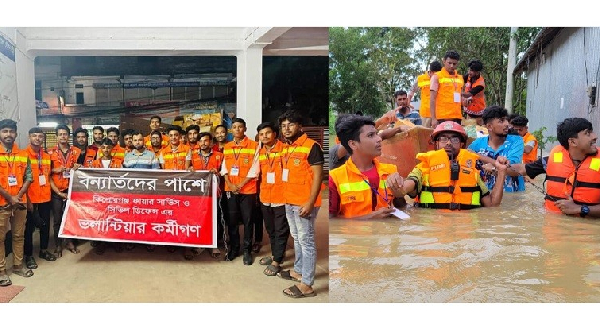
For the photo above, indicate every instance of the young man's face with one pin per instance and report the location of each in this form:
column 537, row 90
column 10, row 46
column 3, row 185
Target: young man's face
column 156, row 140
column 174, row 138
column 62, row 136
column 267, row 136
column 98, row 135
column 81, row 139
column 498, row 126
column 128, row 139
column 369, row 142
column 154, row 124
column 138, row 141
column 586, row 141
column 238, row 130
column 450, row 142
column 192, row 136
column 36, row 139
column 8, row 135
column 289, row 129
column 521, row 130
column 106, row 149
column 472, row 73
column 221, row 134
column 114, row 137
column 450, row 65
column 205, row 142
column 402, row 100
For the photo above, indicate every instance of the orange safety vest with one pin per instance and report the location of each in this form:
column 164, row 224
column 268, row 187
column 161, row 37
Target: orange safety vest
column 300, row 175
column 163, row 143
column 175, row 160
column 56, row 157
column 445, row 107
column 356, row 195
column 242, row 156
column 117, row 152
column 40, row 165
column 532, row 155
column 478, row 100
column 114, row 163
column 423, row 81
column 270, row 162
column 12, row 164
column 90, row 156
column 215, row 159
column 438, row 191
column 582, row 183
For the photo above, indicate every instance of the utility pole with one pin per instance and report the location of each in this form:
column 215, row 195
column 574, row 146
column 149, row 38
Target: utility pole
column 512, row 61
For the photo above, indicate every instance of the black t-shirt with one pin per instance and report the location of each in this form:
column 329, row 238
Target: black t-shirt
column 475, row 89
column 316, row 156
column 537, row 167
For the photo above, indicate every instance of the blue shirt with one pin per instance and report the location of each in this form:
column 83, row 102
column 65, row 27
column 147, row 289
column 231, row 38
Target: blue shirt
column 145, row 160
column 413, row 116
column 512, row 149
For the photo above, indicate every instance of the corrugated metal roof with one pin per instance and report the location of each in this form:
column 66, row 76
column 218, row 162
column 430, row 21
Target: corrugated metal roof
column 543, row 38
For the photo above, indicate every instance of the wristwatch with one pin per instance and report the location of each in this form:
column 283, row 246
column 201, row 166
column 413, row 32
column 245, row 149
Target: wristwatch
column 584, row 211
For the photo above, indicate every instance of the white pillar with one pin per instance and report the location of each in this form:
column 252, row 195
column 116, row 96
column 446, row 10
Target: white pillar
column 249, row 87
column 25, row 70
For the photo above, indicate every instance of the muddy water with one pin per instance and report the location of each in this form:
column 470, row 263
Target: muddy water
column 515, row 253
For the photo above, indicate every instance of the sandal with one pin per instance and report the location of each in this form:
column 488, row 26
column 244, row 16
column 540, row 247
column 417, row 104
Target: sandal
column 58, row 251
column 22, row 272
column 256, row 247
column 5, row 280
column 296, row 293
column 47, row 256
column 272, row 270
column 30, row 263
column 265, row 261
column 215, row 254
column 285, row 274
column 72, row 248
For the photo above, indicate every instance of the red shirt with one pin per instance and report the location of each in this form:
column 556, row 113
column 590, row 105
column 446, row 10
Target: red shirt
column 334, row 197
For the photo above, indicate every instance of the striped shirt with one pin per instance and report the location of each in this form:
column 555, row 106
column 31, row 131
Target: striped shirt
column 146, row 160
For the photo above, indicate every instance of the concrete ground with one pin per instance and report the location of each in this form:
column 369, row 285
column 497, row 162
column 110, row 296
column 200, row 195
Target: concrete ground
column 159, row 276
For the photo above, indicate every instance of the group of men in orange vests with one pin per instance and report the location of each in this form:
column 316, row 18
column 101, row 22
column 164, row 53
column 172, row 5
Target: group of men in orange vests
column 282, row 176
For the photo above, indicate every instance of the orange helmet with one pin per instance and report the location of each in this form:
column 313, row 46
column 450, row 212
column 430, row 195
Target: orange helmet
column 449, row 126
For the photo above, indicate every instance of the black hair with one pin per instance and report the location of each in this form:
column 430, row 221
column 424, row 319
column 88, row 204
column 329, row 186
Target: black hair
column 292, row 116
column 182, row 131
column 63, row 127
column 224, row 127
column 154, row 132
column 113, row 129
column 270, row 125
column 127, row 131
column 519, row 121
column 359, row 113
column 348, row 128
column 191, row 127
column 82, row 130
column 569, row 128
column 135, row 132
column 435, row 66
column 36, row 129
column 8, row 123
column 493, row 112
column 157, row 117
column 452, row 54
column 396, row 93
column 173, row 128
column 100, row 128
column 107, row 142
column 203, row 134
column 475, row 65
column 238, row 120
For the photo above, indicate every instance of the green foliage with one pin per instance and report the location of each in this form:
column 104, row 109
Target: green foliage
column 542, row 139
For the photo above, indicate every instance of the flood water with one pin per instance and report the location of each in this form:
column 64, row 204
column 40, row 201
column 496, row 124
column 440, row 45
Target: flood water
column 517, row 252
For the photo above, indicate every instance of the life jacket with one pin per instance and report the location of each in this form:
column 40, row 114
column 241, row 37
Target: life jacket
column 356, row 195
column 215, row 159
column 12, row 164
column 114, row 163
column 40, row 165
column 117, row 152
column 582, row 183
column 438, row 191
column 478, row 100
column 175, row 160
column 445, row 107
column 90, row 156
column 270, row 162
column 532, row 155
column 300, row 176
column 241, row 156
column 57, row 160
column 423, row 81
column 163, row 143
